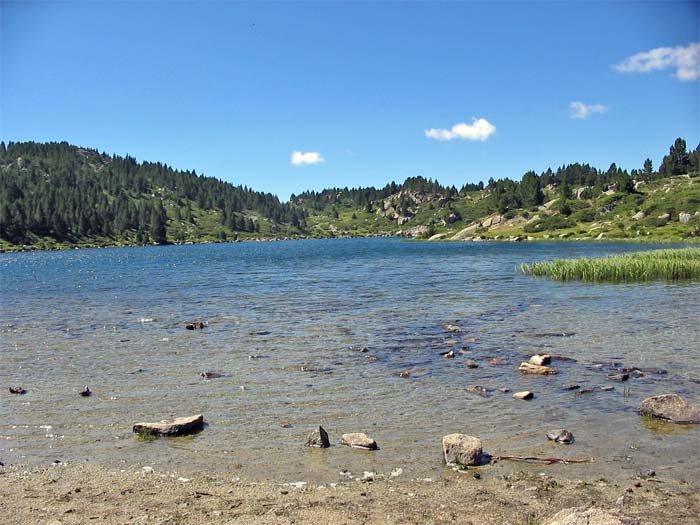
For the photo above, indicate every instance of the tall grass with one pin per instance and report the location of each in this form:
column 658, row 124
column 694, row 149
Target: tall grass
column 670, row 264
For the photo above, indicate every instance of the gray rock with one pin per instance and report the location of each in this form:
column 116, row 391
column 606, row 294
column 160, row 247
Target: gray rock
column 560, row 436
column 570, row 386
column 540, row 359
column 591, row 516
column 524, row 395
column 176, row 427
column 318, row 438
column 619, row 377
column 460, row 449
column 670, row 407
column 472, row 364
column 358, row 440
column 684, row 217
column 527, row 368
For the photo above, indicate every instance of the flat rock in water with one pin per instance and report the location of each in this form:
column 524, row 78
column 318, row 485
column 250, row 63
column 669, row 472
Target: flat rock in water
column 670, row 407
column 527, row 368
column 479, row 390
column 472, row 364
column 453, row 328
column 540, row 359
column 524, row 395
column 619, row 377
column 560, row 436
column 176, row 427
column 318, row 438
column 460, row 449
column 590, row 516
column 358, row 440
column 570, row 386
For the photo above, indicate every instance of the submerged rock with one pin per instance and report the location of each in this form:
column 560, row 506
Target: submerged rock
column 570, row 386
column 358, row 440
column 176, row 427
column 318, row 438
column 195, row 325
column 479, row 390
column 17, row 390
column 472, row 364
column 86, row 392
column 453, row 328
column 540, row 359
column 670, row 407
column 211, row 375
column 560, row 436
column 449, row 355
column 619, row 377
column 405, row 374
column 527, row 368
column 460, row 449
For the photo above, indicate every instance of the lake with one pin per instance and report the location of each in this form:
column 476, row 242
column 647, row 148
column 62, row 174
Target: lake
column 114, row 319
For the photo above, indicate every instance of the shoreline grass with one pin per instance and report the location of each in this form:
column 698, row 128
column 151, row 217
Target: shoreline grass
column 667, row 264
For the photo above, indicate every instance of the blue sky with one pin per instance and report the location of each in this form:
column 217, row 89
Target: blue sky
column 232, row 90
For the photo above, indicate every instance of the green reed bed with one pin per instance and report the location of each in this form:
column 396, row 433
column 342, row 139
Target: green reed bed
column 669, row 264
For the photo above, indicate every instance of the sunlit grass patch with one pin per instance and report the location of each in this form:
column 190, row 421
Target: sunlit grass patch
column 668, row 264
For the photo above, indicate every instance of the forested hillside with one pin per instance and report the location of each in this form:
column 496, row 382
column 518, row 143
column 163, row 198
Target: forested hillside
column 68, row 194
column 55, row 194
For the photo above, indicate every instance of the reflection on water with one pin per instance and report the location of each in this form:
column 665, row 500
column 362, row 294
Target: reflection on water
column 114, row 319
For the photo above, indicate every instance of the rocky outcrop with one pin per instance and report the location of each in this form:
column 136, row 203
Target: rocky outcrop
column 437, row 237
column 466, row 232
column 358, row 440
column 177, row 427
column 463, row 450
column 527, row 368
column 671, row 407
column 591, row 516
column 318, row 438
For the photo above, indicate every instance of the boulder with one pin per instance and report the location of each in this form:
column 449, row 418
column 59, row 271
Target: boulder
column 560, row 436
column 460, row 449
column 665, row 216
column 196, row 325
column 176, row 427
column 540, row 359
column 466, row 232
column 684, row 217
column 524, row 395
column 318, row 438
column 670, row 407
column 638, row 216
column 358, row 440
column 527, row 368
column 17, row 390
column 584, row 516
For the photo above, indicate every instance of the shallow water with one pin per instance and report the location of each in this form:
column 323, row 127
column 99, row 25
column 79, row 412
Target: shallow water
column 74, row 318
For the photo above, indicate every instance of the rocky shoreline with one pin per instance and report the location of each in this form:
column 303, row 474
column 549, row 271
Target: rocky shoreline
column 85, row 493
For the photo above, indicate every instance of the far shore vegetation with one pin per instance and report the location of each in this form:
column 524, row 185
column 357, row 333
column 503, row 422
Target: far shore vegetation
column 57, row 196
column 668, row 264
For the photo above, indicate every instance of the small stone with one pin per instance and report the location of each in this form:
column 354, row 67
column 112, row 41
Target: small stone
column 449, row 355
column 405, row 373
column 318, row 438
column 17, row 390
column 472, row 364
column 476, row 475
column 619, row 377
column 453, row 328
column 570, row 386
column 496, row 361
column 524, row 395
column 358, row 440
column 460, row 449
column 540, row 359
column 560, row 436
column 479, row 390
column 527, row 368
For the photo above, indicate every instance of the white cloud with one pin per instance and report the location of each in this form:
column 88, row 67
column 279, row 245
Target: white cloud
column 583, row 111
column 479, row 129
column 303, row 158
column 685, row 60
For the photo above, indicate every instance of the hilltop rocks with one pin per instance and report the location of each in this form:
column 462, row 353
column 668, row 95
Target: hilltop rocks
column 460, row 449
column 670, row 407
column 527, row 368
column 358, row 440
column 318, row 438
column 177, row 427
column 540, row 359
column 560, row 436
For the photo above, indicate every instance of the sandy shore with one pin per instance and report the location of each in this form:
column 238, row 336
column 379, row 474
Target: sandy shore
column 82, row 493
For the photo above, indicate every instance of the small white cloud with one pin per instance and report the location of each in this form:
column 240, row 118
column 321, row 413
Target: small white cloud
column 685, row 60
column 304, row 158
column 583, row 111
column 479, row 129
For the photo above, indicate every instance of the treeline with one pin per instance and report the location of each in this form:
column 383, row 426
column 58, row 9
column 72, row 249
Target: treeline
column 68, row 193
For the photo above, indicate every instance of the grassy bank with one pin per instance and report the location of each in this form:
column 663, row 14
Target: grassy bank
column 671, row 264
